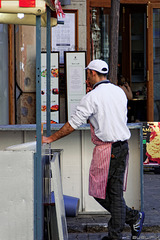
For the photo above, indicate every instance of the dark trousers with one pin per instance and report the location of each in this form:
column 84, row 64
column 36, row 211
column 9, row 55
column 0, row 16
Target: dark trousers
column 114, row 201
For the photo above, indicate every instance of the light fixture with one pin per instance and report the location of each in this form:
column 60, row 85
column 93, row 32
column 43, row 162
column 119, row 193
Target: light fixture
column 20, row 15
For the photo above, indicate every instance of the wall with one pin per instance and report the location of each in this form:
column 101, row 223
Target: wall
column 81, row 6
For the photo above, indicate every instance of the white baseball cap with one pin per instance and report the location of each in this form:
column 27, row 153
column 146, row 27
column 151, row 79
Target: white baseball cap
column 99, row 66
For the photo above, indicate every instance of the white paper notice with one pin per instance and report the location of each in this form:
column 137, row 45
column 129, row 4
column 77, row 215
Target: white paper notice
column 76, row 85
column 63, row 35
column 76, row 80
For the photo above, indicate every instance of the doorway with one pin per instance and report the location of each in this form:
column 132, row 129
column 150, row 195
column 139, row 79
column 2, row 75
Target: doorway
column 132, row 58
column 153, row 49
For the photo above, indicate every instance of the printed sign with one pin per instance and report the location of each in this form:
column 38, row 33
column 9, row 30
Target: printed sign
column 151, row 142
column 54, row 88
column 76, row 79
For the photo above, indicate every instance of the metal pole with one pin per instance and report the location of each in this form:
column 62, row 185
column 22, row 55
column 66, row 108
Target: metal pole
column 38, row 177
column 48, row 37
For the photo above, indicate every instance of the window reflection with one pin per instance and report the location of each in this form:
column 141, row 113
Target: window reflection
column 99, row 34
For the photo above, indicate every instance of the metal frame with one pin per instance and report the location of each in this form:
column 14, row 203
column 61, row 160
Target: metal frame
column 48, row 37
column 58, row 194
column 38, row 175
column 38, row 201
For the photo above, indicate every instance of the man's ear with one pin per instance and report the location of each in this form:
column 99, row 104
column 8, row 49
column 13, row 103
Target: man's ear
column 94, row 73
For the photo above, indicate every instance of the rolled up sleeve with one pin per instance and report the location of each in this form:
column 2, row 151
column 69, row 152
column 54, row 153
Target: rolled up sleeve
column 83, row 111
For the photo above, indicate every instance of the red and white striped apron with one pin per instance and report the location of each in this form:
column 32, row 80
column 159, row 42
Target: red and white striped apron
column 99, row 168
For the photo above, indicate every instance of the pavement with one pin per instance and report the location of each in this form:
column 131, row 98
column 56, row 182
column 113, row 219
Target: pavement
column 86, row 226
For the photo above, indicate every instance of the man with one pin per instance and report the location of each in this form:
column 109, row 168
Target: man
column 106, row 109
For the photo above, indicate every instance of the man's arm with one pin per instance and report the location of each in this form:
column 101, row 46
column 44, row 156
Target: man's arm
column 62, row 132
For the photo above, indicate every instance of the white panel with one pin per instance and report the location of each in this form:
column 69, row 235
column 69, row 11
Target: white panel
column 29, row 146
column 17, row 199
column 71, row 164
column 75, row 163
column 133, row 193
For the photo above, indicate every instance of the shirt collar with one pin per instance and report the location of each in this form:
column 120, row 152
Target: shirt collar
column 98, row 83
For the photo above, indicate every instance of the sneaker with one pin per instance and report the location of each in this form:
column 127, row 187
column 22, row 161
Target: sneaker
column 137, row 226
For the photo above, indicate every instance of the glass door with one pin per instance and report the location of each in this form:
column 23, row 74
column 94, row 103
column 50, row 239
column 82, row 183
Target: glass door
column 153, row 62
column 156, row 63
column 132, row 58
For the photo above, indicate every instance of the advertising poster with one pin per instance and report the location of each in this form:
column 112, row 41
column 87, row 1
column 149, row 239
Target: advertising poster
column 54, row 88
column 75, row 78
column 151, row 143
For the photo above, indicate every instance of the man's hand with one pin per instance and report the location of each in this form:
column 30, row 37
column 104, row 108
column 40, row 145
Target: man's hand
column 64, row 131
column 46, row 139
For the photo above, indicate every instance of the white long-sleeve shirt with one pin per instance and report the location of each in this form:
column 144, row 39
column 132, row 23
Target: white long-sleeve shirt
column 106, row 108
